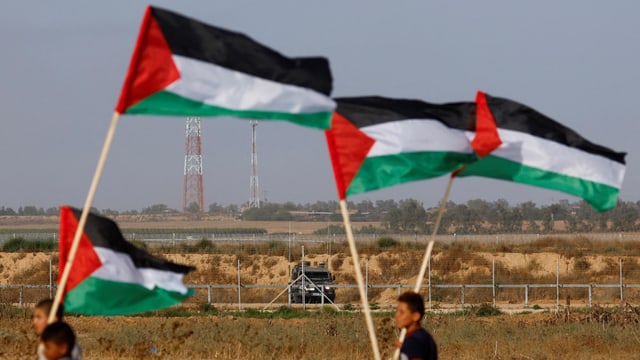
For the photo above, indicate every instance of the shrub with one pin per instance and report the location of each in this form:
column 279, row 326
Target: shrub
column 209, row 309
column 21, row 244
column 285, row 312
column 203, row 245
column 327, row 309
column 387, row 242
column 485, row 310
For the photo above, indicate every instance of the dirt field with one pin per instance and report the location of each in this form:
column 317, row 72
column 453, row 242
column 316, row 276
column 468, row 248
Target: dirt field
column 540, row 334
column 328, row 336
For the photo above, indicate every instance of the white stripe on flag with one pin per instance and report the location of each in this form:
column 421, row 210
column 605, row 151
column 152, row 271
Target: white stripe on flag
column 119, row 267
column 415, row 135
column 218, row 86
column 552, row 156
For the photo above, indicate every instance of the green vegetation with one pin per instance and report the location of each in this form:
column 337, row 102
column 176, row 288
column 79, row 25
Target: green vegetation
column 481, row 310
column 21, row 244
column 406, row 216
column 387, row 242
column 208, row 231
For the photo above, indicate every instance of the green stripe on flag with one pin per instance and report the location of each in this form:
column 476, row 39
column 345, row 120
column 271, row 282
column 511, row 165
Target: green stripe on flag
column 96, row 296
column 167, row 103
column 383, row 171
column 602, row 197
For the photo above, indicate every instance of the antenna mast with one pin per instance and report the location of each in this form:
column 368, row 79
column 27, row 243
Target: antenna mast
column 192, row 192
column 254, row 188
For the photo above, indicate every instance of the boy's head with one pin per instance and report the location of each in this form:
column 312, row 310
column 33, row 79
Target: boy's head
column 41, row 315
column 410, row 309
column 58, row 340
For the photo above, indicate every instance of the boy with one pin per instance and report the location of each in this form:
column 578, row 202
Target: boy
column 58, row 339
column 418, row 344
column 39, row 323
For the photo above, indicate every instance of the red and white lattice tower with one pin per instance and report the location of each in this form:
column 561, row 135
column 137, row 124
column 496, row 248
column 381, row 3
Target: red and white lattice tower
column 254, row 188
column 193, row 193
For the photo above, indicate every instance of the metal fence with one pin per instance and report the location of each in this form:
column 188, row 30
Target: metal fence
column 437, row 295
column 176, row 238
column 224, row 295
column 490, row 280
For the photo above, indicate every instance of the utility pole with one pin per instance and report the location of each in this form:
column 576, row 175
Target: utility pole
column 254, row 188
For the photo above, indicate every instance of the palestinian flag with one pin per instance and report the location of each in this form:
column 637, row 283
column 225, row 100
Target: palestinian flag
column 377, row 142
column 539, row 151
column 183, row 67
column 110, row 276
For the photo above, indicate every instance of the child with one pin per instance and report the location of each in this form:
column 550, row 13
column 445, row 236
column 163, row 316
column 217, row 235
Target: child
column 40, row 318
column 58, row 339
column 41, row 315
column 418, row 344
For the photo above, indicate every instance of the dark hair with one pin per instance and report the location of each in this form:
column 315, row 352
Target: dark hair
column 60, row 333
column 47, row 304
column 414, row 301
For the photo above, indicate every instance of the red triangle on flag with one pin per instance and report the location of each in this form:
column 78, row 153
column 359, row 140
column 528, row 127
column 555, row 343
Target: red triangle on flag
column 86, row 260
column 486, row 138
column 348, row 147
column 151, row 69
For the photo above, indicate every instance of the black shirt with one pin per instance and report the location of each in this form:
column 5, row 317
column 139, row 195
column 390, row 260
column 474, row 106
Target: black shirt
column 419, row 345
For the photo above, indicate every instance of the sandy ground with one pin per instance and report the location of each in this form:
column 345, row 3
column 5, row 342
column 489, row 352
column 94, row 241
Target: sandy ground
column 385, row 268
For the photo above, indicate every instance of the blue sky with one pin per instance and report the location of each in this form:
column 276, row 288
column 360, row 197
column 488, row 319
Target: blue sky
column 63, row 64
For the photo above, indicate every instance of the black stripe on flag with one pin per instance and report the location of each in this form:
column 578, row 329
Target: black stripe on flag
column 104, row 233
column 373, row 110
column 194, row 39
column 511, row 115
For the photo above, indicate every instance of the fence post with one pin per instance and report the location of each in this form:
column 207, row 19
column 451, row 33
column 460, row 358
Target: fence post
column 239, row 303
column 50, row 280
column 462, row 295
column 526, row 296
column 621, row 286
column 558, row 284
column 493, row 280
column 289, row 241
column 20, row 300
column 366, row 278
column 304, row 290
column 590, row 293
column 209, row 294
column 429, row 270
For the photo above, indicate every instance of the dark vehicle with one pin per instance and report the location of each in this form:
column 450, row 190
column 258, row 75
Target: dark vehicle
column 317, row 281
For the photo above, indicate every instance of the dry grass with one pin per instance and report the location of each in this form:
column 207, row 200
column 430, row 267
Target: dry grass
column 597, row 334
column 602, row 333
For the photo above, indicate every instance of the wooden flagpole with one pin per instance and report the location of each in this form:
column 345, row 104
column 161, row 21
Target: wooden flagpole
column 360, row 279
column 83, row 218
column 426, row 258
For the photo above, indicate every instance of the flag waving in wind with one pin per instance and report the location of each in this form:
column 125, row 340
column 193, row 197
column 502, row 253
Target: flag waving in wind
column 377, row 142
column 183, row 67
column 110, row 276
column 539, row 151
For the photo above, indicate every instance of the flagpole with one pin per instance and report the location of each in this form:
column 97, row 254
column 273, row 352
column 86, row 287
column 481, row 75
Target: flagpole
column 427, row 257
column 83, row 218
column 360, row 279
